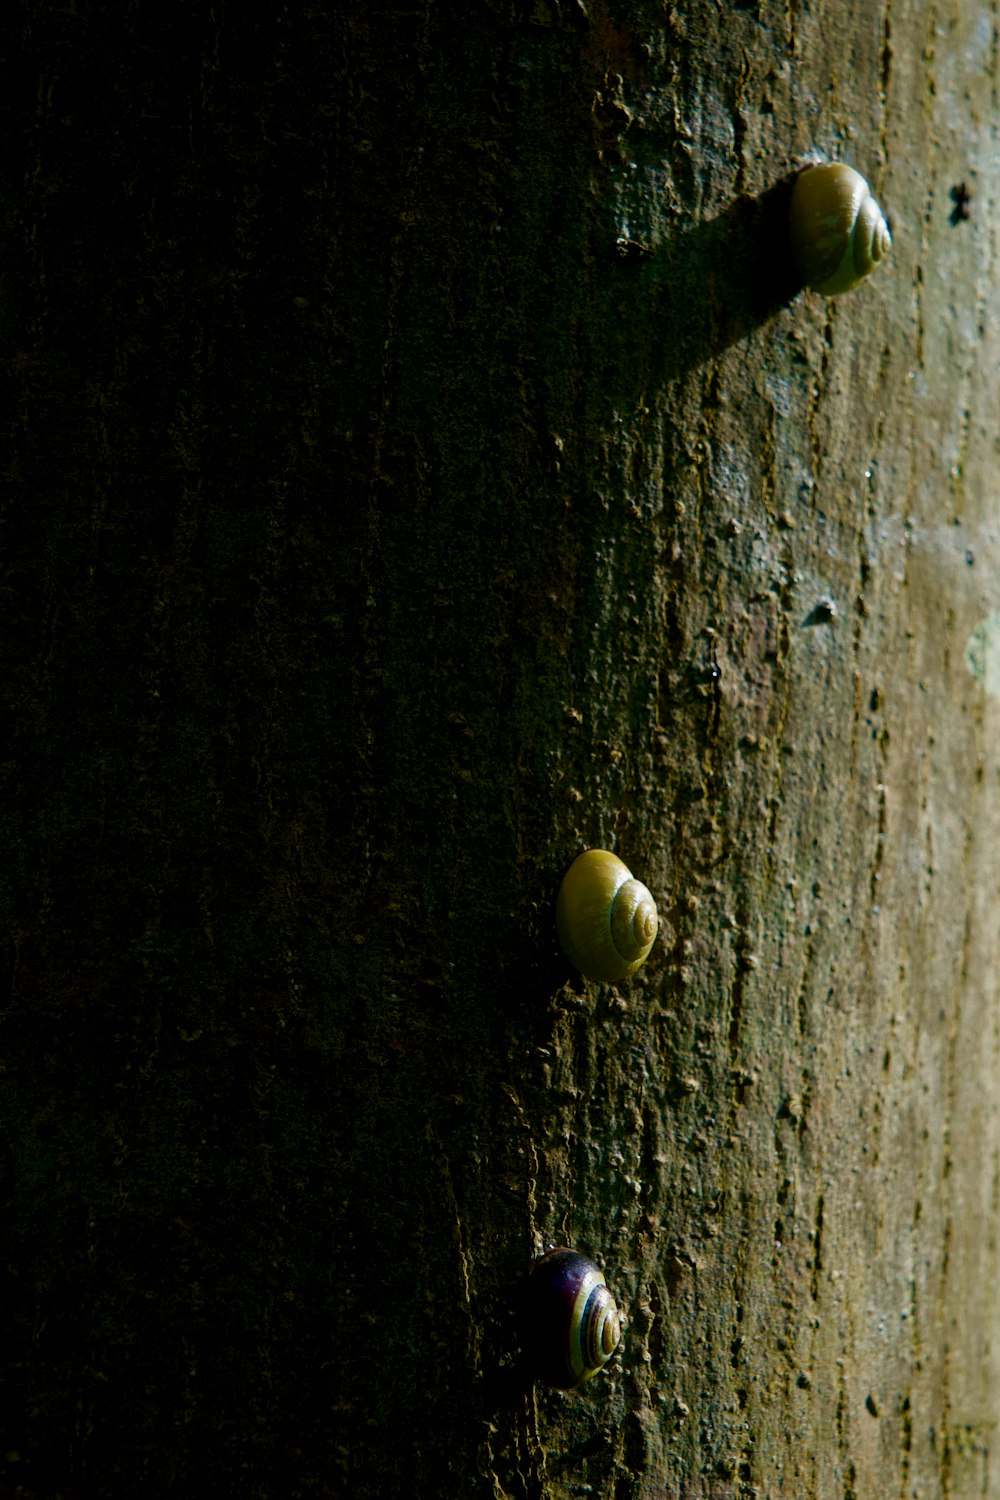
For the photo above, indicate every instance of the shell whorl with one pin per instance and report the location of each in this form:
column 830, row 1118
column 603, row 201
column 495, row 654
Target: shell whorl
column 838, row 232
column 633, row 920
column 572, row 1323
column 605, row 918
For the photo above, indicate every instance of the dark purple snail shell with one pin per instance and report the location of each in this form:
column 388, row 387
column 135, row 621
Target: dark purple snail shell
column 571, row 1321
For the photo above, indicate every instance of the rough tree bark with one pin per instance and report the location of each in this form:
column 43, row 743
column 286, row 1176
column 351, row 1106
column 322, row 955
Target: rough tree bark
column 421, row 467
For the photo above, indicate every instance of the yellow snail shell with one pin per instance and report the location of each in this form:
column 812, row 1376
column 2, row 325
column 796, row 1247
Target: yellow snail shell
column 606, row 920
column 837, row 229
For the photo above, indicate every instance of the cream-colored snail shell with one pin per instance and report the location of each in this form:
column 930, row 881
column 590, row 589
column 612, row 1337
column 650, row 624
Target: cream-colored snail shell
column 606, row 919
column 837, row 229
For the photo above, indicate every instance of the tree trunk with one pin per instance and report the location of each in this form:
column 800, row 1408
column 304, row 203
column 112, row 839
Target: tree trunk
column 424, row 465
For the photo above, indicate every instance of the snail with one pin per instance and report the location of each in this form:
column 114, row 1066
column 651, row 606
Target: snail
column 572, row 1326
column 606, row 920
column 837, row 229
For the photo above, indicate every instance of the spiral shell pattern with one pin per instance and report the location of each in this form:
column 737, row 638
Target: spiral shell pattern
column 573, row 1326
column 838, row 232
column 605, row 918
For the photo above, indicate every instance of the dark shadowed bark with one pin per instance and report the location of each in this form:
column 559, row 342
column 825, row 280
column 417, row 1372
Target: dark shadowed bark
column 422, row 464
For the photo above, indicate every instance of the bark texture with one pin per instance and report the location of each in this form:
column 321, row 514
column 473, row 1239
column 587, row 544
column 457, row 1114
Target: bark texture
column 421, row 466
